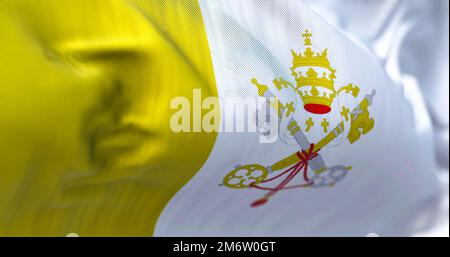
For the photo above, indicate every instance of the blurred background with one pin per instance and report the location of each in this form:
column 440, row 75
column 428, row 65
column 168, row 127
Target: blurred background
column 411, row 40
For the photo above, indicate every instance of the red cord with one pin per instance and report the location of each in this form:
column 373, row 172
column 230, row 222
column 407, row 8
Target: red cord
column 304, row 157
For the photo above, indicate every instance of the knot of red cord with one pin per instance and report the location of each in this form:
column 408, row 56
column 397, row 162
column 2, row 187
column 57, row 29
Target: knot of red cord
column 305, row 157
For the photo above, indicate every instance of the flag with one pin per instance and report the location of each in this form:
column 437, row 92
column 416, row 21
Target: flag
column 201, row 118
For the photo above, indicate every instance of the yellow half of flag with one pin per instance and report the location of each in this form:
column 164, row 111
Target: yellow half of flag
column 85, row 88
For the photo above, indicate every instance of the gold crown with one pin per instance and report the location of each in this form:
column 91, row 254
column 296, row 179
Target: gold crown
column 308, row 84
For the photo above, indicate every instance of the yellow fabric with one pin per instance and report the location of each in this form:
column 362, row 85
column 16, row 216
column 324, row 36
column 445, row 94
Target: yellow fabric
column 85, row 87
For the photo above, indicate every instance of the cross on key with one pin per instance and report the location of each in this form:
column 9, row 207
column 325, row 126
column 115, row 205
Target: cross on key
column 325, row 125
column 309, row 123
column 290, row 109
column 345, row 112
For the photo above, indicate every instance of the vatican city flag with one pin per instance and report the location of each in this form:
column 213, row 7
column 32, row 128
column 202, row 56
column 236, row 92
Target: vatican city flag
column 202, row 118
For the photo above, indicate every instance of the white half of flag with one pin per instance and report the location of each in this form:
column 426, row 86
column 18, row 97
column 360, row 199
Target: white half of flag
column 393, row 172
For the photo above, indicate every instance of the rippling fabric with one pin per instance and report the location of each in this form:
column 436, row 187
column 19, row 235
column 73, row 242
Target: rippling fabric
column 85, row 88
column 393, row 170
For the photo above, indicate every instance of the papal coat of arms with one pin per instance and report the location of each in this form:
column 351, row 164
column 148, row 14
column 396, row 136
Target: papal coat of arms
column 322, row 120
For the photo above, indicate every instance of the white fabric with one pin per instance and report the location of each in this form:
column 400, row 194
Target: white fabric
column 393, row 173
column 411, row 39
